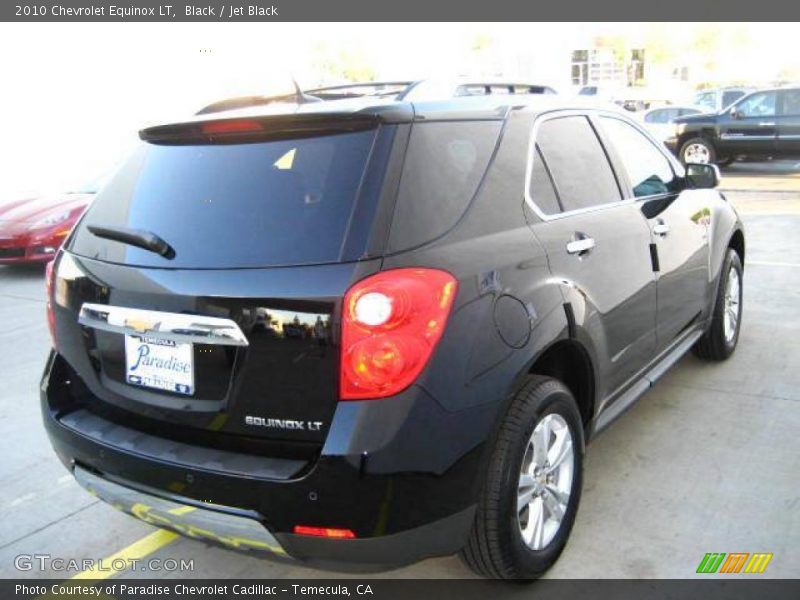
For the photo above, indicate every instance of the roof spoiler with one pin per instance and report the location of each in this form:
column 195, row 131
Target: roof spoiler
column 249, row 129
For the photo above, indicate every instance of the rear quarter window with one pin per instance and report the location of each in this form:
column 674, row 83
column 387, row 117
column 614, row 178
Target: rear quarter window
column 444, row 164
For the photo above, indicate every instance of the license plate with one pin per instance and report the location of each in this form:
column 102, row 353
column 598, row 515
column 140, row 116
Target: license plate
column 160, row 364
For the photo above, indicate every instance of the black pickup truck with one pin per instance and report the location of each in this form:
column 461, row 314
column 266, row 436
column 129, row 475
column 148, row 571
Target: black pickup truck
column 762, row 124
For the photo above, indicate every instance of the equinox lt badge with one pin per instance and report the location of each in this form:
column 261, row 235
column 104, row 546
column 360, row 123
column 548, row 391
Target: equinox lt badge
column 283, row 423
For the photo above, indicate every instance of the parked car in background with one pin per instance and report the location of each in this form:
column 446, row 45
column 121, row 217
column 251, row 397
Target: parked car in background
column 610, row 95
column 762, row 124
column 32, row 229
column 660, row 122
column 631, row 98
column 714, row 100
column 482, row 285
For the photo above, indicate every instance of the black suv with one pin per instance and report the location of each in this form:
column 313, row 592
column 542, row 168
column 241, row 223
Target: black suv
column 373, row 330
column 760, row 125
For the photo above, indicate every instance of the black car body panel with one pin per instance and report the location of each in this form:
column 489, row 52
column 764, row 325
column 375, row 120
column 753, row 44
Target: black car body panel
column 402, row 473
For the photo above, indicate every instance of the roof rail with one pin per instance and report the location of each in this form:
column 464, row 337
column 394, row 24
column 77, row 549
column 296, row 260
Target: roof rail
column 298, row 97
column 360, row 89
column 501, row 87
column 427, row 89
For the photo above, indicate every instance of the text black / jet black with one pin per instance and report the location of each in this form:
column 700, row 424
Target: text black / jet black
column 371, row 330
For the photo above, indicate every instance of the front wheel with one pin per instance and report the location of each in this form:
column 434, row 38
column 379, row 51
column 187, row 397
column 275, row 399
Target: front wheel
column 720, row 340
column 698, row 150
column 533, row 486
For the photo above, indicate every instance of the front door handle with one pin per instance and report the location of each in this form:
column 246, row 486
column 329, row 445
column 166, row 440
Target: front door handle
column 580, row 246
column 766, row 124
column 661, row 228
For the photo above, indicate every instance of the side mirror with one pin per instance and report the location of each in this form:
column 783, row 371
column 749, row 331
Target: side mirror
column 735, row 114
column 702, row 176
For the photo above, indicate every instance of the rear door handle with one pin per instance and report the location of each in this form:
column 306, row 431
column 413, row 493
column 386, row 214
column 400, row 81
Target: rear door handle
column 580, row 246
column 661, row 228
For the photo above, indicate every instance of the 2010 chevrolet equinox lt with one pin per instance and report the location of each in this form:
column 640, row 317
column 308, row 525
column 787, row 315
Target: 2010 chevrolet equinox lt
column 372, row 330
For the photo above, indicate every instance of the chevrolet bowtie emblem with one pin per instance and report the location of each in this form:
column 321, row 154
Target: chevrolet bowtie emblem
column 141, row 326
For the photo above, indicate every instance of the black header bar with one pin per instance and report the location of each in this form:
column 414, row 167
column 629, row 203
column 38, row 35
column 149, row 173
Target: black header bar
column 398, row 10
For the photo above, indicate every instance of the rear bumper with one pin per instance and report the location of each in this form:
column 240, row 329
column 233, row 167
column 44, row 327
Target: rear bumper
column 406, row 495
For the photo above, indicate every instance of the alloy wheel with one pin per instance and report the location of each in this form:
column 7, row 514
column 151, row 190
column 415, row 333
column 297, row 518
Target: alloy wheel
column 545, row 481
column 733, row 293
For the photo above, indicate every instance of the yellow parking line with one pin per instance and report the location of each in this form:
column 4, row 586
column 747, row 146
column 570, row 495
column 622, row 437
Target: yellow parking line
column 181, row 510
column 137, row 550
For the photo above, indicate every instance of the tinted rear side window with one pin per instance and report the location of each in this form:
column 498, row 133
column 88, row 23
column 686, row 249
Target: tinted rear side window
column 577, row 163
column 445, row 162
column 234, row 205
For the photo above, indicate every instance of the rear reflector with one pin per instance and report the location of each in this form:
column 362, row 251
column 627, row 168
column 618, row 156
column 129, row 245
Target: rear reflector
column 328, row 532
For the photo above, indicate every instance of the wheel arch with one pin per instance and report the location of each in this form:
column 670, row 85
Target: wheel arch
column 737, row 243
column 707, row 134
column 570, row 362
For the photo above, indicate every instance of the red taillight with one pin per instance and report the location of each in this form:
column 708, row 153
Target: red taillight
column 391, row 324
column 231, row 126
column 328, row 532
column 51, row 317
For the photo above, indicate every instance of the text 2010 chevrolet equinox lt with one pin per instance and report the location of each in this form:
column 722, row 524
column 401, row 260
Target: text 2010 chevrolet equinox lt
column 374, row 330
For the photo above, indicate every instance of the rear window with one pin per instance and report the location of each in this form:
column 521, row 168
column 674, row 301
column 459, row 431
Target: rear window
column 283, row 202
column 445, row 162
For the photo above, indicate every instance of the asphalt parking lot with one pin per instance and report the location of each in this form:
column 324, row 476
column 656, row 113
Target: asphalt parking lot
column 708, row 461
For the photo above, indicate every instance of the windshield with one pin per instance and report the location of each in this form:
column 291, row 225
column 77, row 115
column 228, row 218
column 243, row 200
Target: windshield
column 233, row 205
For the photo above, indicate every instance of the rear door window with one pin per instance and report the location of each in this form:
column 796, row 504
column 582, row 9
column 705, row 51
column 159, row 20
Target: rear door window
column 791, row 103
column 577, row 162
column 267, row 203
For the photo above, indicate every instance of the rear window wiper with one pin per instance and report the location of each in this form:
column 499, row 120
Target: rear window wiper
column 135, row 237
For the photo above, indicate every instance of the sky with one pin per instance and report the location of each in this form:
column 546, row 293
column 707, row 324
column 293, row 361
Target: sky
column 74, row 95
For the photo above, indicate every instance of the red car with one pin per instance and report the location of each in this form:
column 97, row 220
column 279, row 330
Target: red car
column 32, row 230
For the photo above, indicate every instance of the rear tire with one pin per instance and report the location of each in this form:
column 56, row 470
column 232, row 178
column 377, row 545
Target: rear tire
column 720, row 340
column 697, row 150
column 507, row 542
